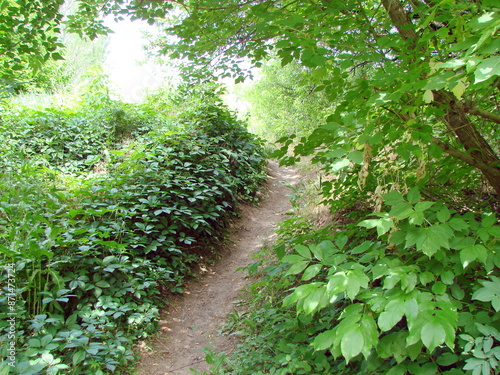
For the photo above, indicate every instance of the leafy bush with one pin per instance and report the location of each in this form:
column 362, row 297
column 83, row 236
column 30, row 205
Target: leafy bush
column 72, row 141
column 417, row 294
column 94, row 254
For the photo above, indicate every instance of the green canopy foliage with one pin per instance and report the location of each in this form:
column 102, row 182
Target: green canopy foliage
column 28, row 38
column 284, row 102
column 421, row 71
column 409, row 127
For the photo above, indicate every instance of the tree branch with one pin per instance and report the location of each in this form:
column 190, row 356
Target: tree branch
column 485, row 114
column 465, row 157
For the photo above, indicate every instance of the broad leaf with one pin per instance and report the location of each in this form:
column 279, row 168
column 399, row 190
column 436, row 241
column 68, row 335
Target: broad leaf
column 472, row 253
column 352, row 343
column 392, row 198
column 433, row 334
column 383, row 225
column 488, row 68
column 324, row 340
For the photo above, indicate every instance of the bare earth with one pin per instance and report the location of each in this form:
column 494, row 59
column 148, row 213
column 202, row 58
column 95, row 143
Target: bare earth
column 191, row 321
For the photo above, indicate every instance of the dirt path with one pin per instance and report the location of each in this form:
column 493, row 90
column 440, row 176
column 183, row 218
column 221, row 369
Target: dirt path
column 192, row 320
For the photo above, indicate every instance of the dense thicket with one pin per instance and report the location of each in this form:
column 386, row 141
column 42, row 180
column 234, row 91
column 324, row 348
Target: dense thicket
column 406, row 280
column 103, row 210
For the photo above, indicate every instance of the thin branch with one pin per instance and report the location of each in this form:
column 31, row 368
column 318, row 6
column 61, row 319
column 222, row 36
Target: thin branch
column 465, row 157
column 485, row 114
column 183, row 4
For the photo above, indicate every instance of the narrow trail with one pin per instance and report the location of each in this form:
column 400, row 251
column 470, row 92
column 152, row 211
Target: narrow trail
column 191, row 321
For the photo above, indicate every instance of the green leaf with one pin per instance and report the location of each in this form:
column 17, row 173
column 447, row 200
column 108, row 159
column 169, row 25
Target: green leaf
column 361, row 248
column 458, row 90
column 370, row 334
column 443, row 214
column 339, row 165
column 316, row 300
column 383, row 225
column 303, row 251
column 103, row 284
column 391, row 315
column 428, row 96
column 438, row 288
column 355, row 281
column 474, row 364
column 393, row 197
column 341, row 241
column 411, row 310
column 413, row 195
column 401, row 210
column 424, row 205
column 426, row 277
column 397, row 370
column 433, row 334
column 46, row 340
column 458, row 224
column 490, row 292
column 311, row 271
column 472, row 253
column 292, row 258
column 488, row 220
column 494, row 231
column 488, row 68
column 448, row 277
column 352, row 342
column 429, row 240
column 297, row 268
column 280, row 251
column 78, row 357
column 324, row 340
column 447, row 359
column 356, row 157
column 317, row 252
column 336, row 283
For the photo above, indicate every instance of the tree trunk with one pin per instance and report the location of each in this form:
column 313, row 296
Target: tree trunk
column 468, row 135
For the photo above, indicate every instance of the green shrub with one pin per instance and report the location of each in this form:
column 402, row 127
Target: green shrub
column 417, row 294
column 94, row 255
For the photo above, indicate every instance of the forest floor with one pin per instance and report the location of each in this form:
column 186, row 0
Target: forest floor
column 192, row 321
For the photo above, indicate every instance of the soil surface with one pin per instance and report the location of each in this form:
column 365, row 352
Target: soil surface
column 191, row 321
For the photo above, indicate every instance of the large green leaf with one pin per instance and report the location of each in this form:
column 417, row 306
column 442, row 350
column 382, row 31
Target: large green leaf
column 433, row 334
column 383, row 224
column 324, row 340
column 392, row 314
column 430, row 239
column 472, row 253
column 352, row 342
column 355, row 280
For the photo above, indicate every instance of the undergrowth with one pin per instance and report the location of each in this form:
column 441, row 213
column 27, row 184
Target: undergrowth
column 104, row 209
column 412, row 288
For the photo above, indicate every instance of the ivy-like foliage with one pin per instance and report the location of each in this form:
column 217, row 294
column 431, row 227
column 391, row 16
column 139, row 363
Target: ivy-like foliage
column 90, row 250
